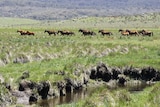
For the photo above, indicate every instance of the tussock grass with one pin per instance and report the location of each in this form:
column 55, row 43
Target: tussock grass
column 59, row 52
column 49, row 54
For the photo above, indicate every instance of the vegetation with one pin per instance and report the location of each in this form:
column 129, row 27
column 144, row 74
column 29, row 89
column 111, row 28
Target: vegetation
column 67, row 9
column 43, row 55
column 121, row 98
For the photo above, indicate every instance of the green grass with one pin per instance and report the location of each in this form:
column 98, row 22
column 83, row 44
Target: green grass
column 49, row 54
column 120, row 98
column 63, row 53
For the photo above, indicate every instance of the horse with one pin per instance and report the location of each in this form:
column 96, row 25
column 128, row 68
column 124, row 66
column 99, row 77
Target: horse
column 147, row 33
column 50, row 32
column 65, row 32
column 123, row 32
column 86, row 32
column 104, row 32
column 132, row 32
column 22, row 32
column 30, row 33
column 25, row 32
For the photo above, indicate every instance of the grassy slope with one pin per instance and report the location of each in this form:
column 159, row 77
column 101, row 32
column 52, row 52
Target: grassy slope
column 69, row 53
column 6, row 21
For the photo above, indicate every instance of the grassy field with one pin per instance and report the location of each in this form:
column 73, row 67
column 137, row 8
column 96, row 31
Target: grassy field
column 46, row 54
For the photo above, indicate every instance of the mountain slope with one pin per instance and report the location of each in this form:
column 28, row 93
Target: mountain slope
column 64, row 9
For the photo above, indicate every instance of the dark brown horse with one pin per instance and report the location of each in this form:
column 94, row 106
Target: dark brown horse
column 65, row 32
column 86, row 32
column 132, row 32
column 147, row 33
column 104, row 32
column 50, row 32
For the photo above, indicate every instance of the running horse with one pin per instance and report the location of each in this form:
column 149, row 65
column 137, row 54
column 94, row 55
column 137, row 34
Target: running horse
column 86, row 32
column 22, row 32
column 50, row 32
column 132, row 32
column 147, row 33
column 65, row 32
column 30, row 33
column 124, row 32
column 105, row 32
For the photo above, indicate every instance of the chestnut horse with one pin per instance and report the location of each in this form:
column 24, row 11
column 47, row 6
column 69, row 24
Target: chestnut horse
column 22, row 32
column 132, row 32
column 25, row 32
column 123, row 32
column 30, row 33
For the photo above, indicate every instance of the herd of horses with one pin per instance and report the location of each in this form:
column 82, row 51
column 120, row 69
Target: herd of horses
column 135, row 32
column 85, row 32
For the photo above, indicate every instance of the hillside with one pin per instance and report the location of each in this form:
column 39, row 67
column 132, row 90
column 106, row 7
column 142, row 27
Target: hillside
column 66, row 9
